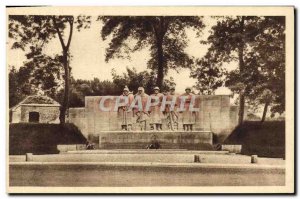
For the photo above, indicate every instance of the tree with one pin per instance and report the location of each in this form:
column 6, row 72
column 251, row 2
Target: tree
column 165, row 35
column 19, row 85
column 268, row 69
column 34, row 31
column 209, row 75
column 257, row 45
column 40, row 74
column 45, row 71
column 231, row 39
column 271, row 58
column 145, row 79
column 81, row 88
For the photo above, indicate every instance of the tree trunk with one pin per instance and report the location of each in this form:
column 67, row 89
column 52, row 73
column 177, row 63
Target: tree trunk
column 241, row 67
column 160, row 67
column 160, row 30
column 65, row 47
column 65, row 105
column 241, row 108
column 265, row 111
column 242, row 92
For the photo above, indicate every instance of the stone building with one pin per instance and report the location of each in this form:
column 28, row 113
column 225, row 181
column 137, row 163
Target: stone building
column 35, row 109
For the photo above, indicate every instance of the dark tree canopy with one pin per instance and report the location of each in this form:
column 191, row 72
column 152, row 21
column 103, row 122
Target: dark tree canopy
column 164, row 35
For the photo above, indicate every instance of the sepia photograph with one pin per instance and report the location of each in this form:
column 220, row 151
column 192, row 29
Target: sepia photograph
column 150, row 99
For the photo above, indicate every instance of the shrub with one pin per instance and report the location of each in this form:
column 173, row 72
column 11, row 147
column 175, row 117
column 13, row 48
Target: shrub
column 41, row 138
column 265, row 139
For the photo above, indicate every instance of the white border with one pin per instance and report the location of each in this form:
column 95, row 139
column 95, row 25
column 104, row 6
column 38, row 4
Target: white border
column 3, row 3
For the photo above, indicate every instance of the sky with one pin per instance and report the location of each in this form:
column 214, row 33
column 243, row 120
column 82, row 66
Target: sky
column 88, row 61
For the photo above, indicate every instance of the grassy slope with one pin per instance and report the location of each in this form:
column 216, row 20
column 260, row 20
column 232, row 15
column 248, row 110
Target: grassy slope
column 41, row 138
column 263, row 139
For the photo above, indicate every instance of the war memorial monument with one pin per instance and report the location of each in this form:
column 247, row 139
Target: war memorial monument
column 104, row 127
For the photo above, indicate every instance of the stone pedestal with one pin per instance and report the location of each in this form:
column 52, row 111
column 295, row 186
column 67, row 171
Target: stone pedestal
column 196, row 140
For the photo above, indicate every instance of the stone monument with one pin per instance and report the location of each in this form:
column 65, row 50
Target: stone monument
column 215, row 116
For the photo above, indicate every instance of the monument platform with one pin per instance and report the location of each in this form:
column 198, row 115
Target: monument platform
column 192, row 140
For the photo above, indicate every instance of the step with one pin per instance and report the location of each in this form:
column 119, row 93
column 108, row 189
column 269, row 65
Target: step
column 152, row 157
column 143, row 145
column 146, row 151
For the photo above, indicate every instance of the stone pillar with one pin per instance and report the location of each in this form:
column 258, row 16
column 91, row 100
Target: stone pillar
column 254, row 159
column 196, row 158
column 29, row 157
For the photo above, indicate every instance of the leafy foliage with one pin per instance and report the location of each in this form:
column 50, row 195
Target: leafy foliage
column 19, row 86
column 145, row 79
column 228, row 42
column 133, row 79
column 36, row 30
column 81, row 88
column 29, row 80
column 257, row 45
column 164, row 35
column 271, row 61
column 32, row 32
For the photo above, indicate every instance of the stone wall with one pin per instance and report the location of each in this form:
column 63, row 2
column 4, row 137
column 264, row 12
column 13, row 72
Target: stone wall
column 16, row 115
column 47, row 114
column 77, row 116
column 216, row 115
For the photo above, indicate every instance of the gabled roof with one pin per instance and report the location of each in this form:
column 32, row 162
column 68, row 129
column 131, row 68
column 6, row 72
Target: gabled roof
column 37, row 100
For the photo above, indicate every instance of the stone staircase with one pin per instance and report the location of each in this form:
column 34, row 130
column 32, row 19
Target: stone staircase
column 141, row 145
column 194, row 140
